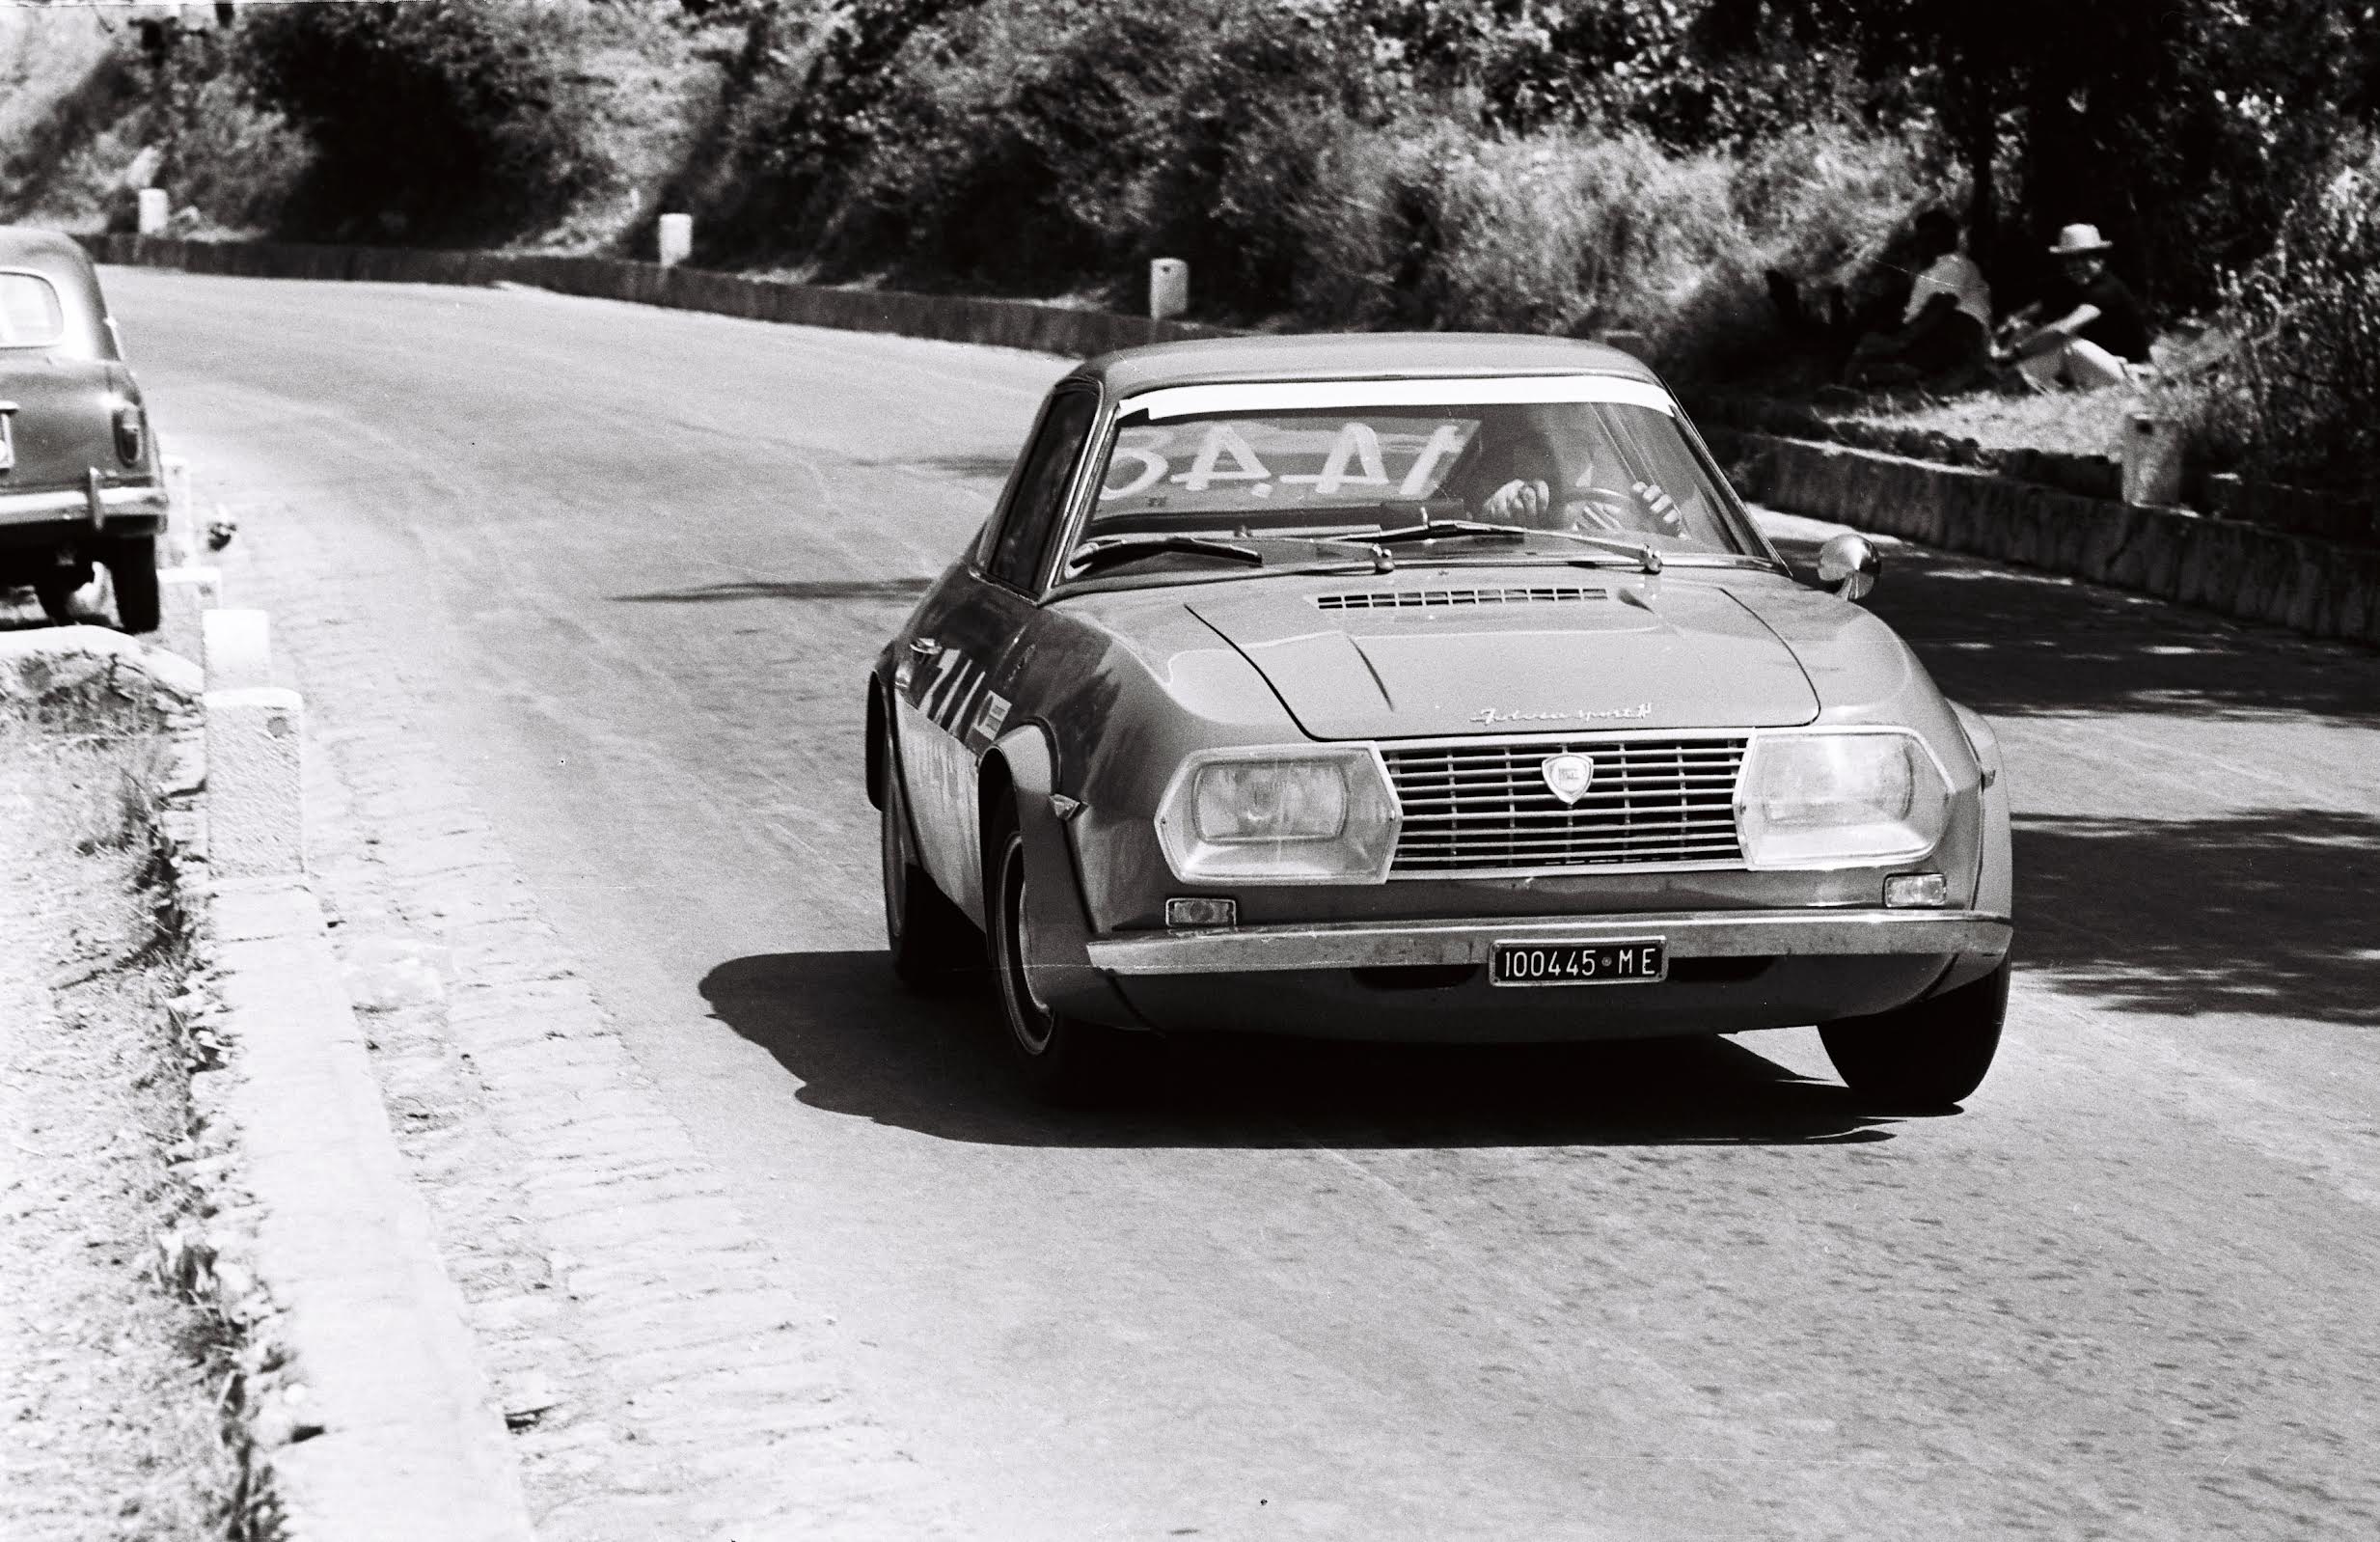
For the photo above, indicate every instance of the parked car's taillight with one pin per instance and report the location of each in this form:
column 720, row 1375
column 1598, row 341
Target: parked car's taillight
column 128, row 434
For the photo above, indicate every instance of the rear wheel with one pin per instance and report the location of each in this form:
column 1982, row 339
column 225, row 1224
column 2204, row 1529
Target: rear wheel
column 1063, row 1058
column 1928, row 1055
column 132, row 562
column 933, row 943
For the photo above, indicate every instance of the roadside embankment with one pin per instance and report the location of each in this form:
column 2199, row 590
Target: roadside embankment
column 953, row 318
column 353, row 1402
column 2245, row 571
column 118, row 1387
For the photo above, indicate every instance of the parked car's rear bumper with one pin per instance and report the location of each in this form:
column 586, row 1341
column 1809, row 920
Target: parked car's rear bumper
column 1696, row 934
column 138, row 510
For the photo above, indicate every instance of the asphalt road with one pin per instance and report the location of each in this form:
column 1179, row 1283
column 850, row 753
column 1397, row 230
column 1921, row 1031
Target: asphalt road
column 1679, row 1290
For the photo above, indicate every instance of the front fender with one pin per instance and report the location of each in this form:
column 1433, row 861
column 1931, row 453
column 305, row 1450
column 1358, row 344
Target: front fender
column 1995, row 878
column 1058, row 930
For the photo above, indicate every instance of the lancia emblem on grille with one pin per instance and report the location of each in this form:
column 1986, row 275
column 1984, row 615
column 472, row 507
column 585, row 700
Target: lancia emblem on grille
column 1567, row 775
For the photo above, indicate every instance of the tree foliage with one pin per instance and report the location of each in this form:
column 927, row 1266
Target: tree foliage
column 430, row 120
column 2300, row 397
column 2182, row 127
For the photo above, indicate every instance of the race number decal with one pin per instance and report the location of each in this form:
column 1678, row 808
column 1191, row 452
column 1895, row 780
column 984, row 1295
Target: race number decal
column 1293, row 462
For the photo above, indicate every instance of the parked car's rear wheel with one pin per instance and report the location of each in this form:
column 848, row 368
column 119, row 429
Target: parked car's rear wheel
column 132, row 563
column 1063, row 1058
column 1928, row 1055
column 933, row 943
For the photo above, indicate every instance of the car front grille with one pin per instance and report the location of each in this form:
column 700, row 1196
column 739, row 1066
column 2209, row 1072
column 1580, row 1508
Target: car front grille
column 1484, row 806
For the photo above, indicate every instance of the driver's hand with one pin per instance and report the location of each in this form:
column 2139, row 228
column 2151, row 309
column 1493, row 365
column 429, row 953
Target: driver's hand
column 1518, row 502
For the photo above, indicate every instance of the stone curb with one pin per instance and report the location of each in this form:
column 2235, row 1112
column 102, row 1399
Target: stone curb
column 950, row 318
column 377, row 1422
column 2247, row 572
column 361, row 1401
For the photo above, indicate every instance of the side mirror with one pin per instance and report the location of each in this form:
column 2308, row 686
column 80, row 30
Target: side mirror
column 1849, row 565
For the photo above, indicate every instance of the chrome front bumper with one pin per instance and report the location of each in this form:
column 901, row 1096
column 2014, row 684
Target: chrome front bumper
column 91, row 506
column 1689, row 934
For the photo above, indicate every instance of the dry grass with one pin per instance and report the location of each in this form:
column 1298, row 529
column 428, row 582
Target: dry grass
column 2084, row 423
column 112, row 1384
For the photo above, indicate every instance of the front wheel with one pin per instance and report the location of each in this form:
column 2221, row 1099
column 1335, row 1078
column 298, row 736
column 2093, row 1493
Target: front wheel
column 1063, row 1058
column 1928, row 1055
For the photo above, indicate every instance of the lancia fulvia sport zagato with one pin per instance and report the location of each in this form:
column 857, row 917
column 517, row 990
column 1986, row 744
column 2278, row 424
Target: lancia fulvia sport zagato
column 1425, row 688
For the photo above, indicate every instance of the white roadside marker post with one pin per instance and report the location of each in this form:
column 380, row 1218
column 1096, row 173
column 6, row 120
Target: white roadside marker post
column 676, row 238
column 1168, row 288
column 185, row 589
column 256, row 822
column 2151, row 454
column 181, row 541
column 185, row 594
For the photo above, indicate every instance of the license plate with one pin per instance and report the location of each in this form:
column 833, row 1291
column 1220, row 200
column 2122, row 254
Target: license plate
column 1638, row 961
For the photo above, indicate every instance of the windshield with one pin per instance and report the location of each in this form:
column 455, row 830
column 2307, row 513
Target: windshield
column 30, row 315
column 1612, row 468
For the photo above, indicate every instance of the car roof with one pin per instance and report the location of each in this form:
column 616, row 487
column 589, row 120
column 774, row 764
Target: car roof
column 57, row 258
column 1351, row 356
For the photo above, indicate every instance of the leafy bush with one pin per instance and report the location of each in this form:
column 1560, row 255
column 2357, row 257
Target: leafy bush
column 231, row 162
column 433, row 120
column 2298, row 402
column 1038, row 146
column 1304, row 158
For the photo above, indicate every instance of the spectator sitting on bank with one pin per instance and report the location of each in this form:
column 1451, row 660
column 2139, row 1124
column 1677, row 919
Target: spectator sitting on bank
column 2087, row 331
column 1944, row 338
column 1827, row 323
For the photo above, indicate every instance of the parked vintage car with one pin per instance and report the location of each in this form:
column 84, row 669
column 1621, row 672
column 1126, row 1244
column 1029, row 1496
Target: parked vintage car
column 1425, row 688
column 79, row 472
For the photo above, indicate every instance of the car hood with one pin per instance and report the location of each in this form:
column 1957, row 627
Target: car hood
column 1408, row 662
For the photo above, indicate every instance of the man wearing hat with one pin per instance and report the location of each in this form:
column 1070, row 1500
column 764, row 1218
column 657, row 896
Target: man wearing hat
column 2093, row 326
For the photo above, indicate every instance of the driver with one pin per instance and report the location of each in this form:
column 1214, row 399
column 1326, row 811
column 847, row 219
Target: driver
column 1539, row 471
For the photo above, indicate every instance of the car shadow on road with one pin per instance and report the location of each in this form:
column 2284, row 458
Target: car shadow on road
column 2012, row 643
column 862, row 1045
column 814, row 589
column 2265, row 912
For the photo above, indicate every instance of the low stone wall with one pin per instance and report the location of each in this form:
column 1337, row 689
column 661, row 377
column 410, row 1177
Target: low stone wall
column 955, row 318
column 2246, row 572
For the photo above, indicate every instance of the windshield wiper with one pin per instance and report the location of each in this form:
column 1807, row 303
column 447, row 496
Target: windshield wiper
column 1642, row 555
column 1123, row 548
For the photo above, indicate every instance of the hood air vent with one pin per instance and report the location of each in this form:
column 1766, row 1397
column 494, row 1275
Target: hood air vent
column 1412, row 599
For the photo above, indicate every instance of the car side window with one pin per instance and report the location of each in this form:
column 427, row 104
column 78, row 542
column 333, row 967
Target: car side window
column 1038, row 501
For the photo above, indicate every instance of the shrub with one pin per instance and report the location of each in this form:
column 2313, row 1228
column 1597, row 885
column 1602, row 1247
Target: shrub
column 1038, row 146
column 231, row 162
column 2299, row 399
column 434, row 120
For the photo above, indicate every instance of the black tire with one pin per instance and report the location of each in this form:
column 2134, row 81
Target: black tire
column 1925, row 1057
column 933, row 947
column 1060, row 1057
column 132, row 562
column 56, row 589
